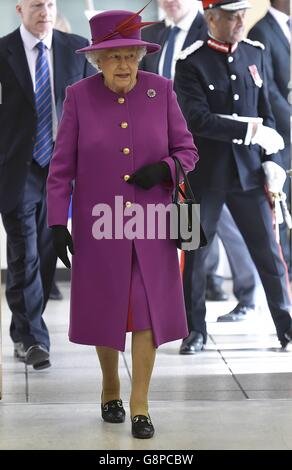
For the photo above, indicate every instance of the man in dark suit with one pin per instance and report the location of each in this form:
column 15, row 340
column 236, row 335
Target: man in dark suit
column 184, row 24
column 274, row 32
column 36, row 65
column 222, row 90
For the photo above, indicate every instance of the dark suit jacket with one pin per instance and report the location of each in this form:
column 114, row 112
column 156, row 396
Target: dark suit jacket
column 17, row 111
column 158, row 34
column 205, row 88
column 268, row 31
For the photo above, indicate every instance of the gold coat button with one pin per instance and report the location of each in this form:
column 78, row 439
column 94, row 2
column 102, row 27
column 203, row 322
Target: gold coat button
column 126, row 151
column 126, row 177
column 128, row 204
column 124, row 125
column 121, row 100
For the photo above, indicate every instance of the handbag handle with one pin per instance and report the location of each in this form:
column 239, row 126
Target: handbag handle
column 179, row 168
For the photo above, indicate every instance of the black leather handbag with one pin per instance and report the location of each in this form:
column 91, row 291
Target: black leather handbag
column 190, row 234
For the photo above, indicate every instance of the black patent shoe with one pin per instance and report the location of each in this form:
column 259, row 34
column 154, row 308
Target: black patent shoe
column 239, row 313
column 113, row 411
column 192, row 344
column 142, row 427
column 42, row 365
column 286, row 339
column 37, row 354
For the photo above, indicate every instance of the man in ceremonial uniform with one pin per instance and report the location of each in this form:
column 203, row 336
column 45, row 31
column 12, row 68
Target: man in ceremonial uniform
column 183, row 25
column 222, row 91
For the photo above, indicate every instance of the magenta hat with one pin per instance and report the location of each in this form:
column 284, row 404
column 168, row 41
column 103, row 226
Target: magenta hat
column 118, row 28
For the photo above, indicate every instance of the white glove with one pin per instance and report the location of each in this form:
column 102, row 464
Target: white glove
column 286, row 213
column 268, row 139
column 275, row 176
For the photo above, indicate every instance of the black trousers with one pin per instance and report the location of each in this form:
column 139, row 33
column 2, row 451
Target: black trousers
column 242, row 268
column 31, row 261
column 252, row 214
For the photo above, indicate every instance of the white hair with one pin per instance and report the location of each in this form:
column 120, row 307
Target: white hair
column 94, row 56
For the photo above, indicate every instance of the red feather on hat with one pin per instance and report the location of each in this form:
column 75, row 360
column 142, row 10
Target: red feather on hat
column 127, row 26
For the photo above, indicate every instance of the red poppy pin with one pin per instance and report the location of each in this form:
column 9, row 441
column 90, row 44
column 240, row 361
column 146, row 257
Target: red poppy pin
column 255, row 75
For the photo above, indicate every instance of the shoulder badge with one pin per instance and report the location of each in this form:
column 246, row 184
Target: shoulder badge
column 189, row 50
column 254, row 43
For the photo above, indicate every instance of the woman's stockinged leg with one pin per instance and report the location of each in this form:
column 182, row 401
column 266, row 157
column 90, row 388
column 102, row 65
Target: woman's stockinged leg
column 143, row 357
column 109, row 363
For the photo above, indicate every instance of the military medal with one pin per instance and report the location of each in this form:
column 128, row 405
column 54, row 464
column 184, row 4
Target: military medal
column 255, row 75
column 151, row 93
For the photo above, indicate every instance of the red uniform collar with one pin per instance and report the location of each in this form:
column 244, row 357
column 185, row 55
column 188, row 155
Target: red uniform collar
column 224, row 47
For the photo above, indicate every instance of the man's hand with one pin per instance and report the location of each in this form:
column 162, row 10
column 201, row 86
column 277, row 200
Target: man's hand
column 61, row 240
column 269, row 139
column 275, row 177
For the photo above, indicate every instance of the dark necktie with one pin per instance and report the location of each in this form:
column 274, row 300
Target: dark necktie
column 43, row 146
column 166, row 72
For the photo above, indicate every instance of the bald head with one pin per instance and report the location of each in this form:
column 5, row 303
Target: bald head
column 176, row 10
column 38, row 16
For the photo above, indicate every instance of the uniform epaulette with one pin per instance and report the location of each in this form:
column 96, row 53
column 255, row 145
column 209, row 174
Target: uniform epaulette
column 189, row 50
column 254, row 43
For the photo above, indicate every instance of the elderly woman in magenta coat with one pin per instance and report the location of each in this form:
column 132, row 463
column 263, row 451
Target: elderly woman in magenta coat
column 118, row 134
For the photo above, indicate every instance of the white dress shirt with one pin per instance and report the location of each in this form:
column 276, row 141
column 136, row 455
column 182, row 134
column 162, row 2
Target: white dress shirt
column 281, row 19
column 31, row 51
column 184, row 26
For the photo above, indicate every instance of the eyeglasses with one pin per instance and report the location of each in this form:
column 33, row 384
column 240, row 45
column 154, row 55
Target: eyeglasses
column 117, row 59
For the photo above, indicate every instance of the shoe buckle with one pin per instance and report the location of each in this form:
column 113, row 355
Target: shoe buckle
column 142, row 420
column 119, row 403
column 105, row 407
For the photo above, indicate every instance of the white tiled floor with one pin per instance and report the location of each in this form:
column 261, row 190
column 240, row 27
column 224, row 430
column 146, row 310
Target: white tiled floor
column 237, row 394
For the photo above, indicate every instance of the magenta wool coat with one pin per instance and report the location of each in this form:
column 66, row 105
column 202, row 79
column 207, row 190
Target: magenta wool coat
column 103, row 137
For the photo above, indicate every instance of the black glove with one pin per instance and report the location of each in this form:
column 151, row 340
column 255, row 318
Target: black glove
column 61, row 240
column 150, row 175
